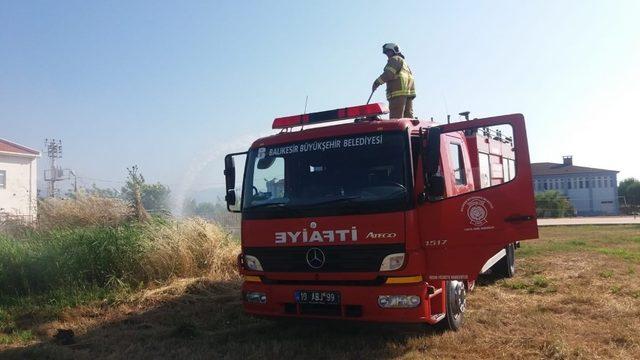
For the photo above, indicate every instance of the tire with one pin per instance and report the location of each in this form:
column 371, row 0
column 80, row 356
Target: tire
column 506, row 267
column 456, row 301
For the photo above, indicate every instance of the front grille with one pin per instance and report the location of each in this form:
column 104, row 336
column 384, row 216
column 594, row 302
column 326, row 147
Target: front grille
column 379, row 280
column 346, row 258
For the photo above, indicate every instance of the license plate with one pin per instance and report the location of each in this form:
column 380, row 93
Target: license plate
column 317, row 297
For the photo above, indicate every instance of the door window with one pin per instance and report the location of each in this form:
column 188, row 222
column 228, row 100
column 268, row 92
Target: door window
column 481, row 158
column 457, row 164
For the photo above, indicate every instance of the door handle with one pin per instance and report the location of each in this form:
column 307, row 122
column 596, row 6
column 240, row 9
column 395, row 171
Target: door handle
column 516, row 218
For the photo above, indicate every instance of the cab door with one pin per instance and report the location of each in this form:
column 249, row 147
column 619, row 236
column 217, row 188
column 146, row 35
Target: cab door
column 461, row 230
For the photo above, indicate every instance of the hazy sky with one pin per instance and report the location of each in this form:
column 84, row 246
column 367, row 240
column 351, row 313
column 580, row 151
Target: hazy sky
column 171, row 86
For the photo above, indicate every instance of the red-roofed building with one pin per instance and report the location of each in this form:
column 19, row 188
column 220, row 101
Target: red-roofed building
column 18, row 181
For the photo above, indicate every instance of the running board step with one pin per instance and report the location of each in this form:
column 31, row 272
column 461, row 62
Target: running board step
column 437, row 317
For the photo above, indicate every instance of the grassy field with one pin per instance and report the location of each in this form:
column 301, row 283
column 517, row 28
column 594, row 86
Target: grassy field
column 576, row 294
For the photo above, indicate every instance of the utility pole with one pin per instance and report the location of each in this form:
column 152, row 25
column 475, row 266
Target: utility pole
column 75, row 181
column 54, row 151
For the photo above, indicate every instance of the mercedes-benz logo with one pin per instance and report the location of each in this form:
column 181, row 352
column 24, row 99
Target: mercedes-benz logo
column 315, row 258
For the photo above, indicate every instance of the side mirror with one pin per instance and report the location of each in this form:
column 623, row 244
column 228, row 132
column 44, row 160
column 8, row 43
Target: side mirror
column 432, row 151
column 230, row 180
column 232, row 197
column 434, row 183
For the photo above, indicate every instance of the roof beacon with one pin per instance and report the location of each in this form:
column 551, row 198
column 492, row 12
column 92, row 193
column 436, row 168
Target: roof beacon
column 353, row 112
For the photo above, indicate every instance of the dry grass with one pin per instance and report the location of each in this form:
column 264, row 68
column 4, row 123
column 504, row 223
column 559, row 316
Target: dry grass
column 569, row 300
column 193, row 247
column 85, row 210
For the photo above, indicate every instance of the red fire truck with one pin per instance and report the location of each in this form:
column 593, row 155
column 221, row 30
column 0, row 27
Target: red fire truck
column 379, row 220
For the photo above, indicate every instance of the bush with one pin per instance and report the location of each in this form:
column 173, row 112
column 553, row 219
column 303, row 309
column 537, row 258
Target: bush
column 61, row 258
column 552, row 204
column 131, row 254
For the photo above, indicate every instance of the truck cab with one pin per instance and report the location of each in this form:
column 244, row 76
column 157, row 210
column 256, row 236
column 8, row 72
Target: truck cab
column 378, row 220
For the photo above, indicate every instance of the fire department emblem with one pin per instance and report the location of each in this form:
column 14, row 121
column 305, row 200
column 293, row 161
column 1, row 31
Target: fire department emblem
column 477, row 209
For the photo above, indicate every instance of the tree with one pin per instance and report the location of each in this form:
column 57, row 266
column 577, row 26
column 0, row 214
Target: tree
column 630, row 189
column 189, row 207
column 148, row 197
column 205, row 210
column 552, row 204
column 156, row 198
column 132, row 192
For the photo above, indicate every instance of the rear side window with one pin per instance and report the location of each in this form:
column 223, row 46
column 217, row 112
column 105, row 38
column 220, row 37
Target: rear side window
column 485, row 171
column 457, row 164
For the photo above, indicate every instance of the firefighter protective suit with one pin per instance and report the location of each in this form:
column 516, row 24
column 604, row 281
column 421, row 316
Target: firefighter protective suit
column 400, row 87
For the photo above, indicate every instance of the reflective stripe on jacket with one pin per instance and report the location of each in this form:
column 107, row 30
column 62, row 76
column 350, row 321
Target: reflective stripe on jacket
column 398, row 77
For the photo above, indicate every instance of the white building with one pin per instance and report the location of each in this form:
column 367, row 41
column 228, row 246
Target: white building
column 18, row 181
column 591, row 191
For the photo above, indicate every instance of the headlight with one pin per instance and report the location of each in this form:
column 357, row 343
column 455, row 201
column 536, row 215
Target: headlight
column 252, row 263
column 256, row 297
column 398, row 301
column 392, row 262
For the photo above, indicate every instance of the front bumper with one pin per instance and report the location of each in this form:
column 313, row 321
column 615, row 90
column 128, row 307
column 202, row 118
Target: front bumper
column 357, row 302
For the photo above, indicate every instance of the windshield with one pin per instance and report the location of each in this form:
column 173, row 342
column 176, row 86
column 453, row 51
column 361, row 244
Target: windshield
column 350, row 174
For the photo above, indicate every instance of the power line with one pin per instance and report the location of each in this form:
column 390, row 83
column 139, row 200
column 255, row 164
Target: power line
column 101, row 180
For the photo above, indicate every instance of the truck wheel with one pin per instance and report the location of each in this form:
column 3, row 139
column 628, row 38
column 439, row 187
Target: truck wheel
column 456, row 301
column 506, row 267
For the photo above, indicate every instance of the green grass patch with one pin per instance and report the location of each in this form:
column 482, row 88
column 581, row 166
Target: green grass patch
column 626, row 254
column 607, row 274
column 17, row 336
column 537, row 284
column 515, row 285
column 620, row 241
column 537, row 248
column 540, row 281
column 68, row 258
column 44, row 273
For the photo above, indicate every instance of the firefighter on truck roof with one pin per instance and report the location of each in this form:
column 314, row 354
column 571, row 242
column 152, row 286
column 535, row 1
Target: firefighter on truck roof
column 399, row 79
